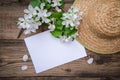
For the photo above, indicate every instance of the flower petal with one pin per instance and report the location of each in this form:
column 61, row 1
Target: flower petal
column 25, row 57
column 26, row 11
column 30, row 7
column 90, row 60
column 24, row 67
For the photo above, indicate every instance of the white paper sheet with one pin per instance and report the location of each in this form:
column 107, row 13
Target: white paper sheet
column 48, row 52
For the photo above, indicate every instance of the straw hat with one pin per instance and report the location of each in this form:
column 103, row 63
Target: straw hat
column 100, row 28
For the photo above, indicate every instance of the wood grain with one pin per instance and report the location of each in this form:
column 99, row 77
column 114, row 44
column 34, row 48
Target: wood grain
column 8, row 16
column 59, row 78
column 10, row 11
column 105, row 67
column 11, row 52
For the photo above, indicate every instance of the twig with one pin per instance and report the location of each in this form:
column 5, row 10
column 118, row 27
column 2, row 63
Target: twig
column 63, row 9
column 21, row 31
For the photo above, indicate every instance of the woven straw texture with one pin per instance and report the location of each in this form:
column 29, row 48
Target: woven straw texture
column 99, row 30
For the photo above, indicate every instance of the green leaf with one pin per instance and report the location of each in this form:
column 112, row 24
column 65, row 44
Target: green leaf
column 35, row 3
column 73, row 31
column 69, row 32
column 44, row 1
column 59, row 22
column 57, row 15
column 47, row 6
column 56, row 33
column 59, row 25
column 62, row 2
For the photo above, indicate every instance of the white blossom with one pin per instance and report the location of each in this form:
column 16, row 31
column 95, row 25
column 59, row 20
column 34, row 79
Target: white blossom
column 25, row 57
column 46, row 20
column 58, row 9
column 66, row 39
column 33, row 27
column 52, row 24
column 56, row 3
column 30, row 11
column 42, row 5
column 43, row 13
column 72, row 18
column 90, row 60
column 51, row 27
column 24, row 67
column 23, row 22
column 74, row 35
column 33, row 18
column 73, row 9
column 49, row 1
column 29, row 30
column 62, row 38
column 69, row 38
column 30, row 24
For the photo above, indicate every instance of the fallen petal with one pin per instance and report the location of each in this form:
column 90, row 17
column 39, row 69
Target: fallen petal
column 24, row 67
column 90, row 60
column 25, row 57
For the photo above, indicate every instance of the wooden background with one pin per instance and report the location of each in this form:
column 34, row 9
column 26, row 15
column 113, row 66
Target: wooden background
column 12, row 49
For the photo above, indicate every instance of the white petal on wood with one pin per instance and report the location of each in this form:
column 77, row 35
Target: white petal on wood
column 25, row 57
column 90, row 60
column 24, row 67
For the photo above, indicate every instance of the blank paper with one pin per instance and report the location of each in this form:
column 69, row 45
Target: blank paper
column 48, row 52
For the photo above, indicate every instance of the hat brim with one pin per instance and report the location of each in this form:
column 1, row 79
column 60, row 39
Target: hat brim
column 89, row 39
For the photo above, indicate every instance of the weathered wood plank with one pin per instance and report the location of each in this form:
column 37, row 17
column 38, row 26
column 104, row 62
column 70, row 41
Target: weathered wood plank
column 59, row 78
column 11, row 52
column 10, row 11
column 24, row 1
column 8, row 17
